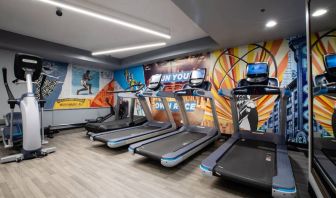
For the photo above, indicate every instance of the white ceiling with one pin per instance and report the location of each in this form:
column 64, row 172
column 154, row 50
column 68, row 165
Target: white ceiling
column 35, row 19
column 238, row 22
column 327, row 21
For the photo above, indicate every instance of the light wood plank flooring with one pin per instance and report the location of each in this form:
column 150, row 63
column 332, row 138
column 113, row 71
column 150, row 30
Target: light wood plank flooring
column 81, row 168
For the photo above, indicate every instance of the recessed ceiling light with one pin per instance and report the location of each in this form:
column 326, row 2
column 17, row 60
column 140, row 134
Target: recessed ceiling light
column 271, row 23
column 105, row 18
column 319, row 12
column 123, row 49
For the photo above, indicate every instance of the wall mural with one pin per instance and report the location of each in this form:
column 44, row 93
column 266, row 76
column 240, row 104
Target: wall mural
column 75, row 86
column 84, row 81
column 224, row 69
column 175, row 75
column 228, row 67
column 52, row 87
column 125, row 78
column 287, row 60
column 324, row 106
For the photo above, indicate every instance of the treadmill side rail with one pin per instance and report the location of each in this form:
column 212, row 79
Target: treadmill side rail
column 283, row 184
column 210, row 162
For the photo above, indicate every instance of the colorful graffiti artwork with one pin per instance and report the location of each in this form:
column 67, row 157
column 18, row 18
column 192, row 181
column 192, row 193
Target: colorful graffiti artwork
column 63, row 81
column 324, row 106
column 287, row 61
column 228, row 67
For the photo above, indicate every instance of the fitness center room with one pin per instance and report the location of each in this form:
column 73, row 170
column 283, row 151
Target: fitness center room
column 167, row 98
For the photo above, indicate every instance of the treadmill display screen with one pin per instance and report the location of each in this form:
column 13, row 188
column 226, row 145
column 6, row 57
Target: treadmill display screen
column 196, row 74
column 155, row 78
column 330, row 61
column 257, row 69
column 154, row 82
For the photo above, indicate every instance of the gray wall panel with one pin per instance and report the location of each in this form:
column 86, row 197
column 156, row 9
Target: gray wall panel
column 53, row 51
column 57, row 117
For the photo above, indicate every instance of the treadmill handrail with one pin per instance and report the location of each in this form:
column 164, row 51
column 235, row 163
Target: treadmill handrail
column 225, row 92
column 165, row 94
column 129, row 91
column 322, row 90
column 244, row 90
column 194, row 92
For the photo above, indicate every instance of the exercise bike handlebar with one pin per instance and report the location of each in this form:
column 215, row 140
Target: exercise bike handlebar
column 9, row 92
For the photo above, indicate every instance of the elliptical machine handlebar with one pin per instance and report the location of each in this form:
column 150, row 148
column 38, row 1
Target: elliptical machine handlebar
column 9, row 92
column 12, row 102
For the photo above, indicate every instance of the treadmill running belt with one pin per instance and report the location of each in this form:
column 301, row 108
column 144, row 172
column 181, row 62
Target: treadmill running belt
column 115, row 124
column 123, row 133
column 170, row 144
column 331, row 154
column 250, row 162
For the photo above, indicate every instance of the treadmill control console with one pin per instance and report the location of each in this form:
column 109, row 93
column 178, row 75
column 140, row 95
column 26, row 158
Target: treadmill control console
column 197, row 77
column 257, row 81
column 147, row 93
column 326, row 83
column 257, row 73
column 155, row 82
column 330, row 67
column 330, row 64
column 191, row 92
column 154, row 85
column 196, row 82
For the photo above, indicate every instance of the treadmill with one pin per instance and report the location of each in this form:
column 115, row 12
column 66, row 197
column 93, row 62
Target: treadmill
column 254, row 158
column 324, row 147
column 173, row 148
column 119, row 122
column 151, row 128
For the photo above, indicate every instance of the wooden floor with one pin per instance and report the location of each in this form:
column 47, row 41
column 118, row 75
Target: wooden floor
column 80, row 168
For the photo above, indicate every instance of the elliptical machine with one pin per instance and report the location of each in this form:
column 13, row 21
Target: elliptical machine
column 26, row 68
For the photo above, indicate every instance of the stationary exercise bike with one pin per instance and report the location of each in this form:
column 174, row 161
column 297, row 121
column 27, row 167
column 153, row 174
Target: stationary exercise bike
column 26, row 68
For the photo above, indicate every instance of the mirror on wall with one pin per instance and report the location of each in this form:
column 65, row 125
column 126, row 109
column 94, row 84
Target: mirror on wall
column 323, row 70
